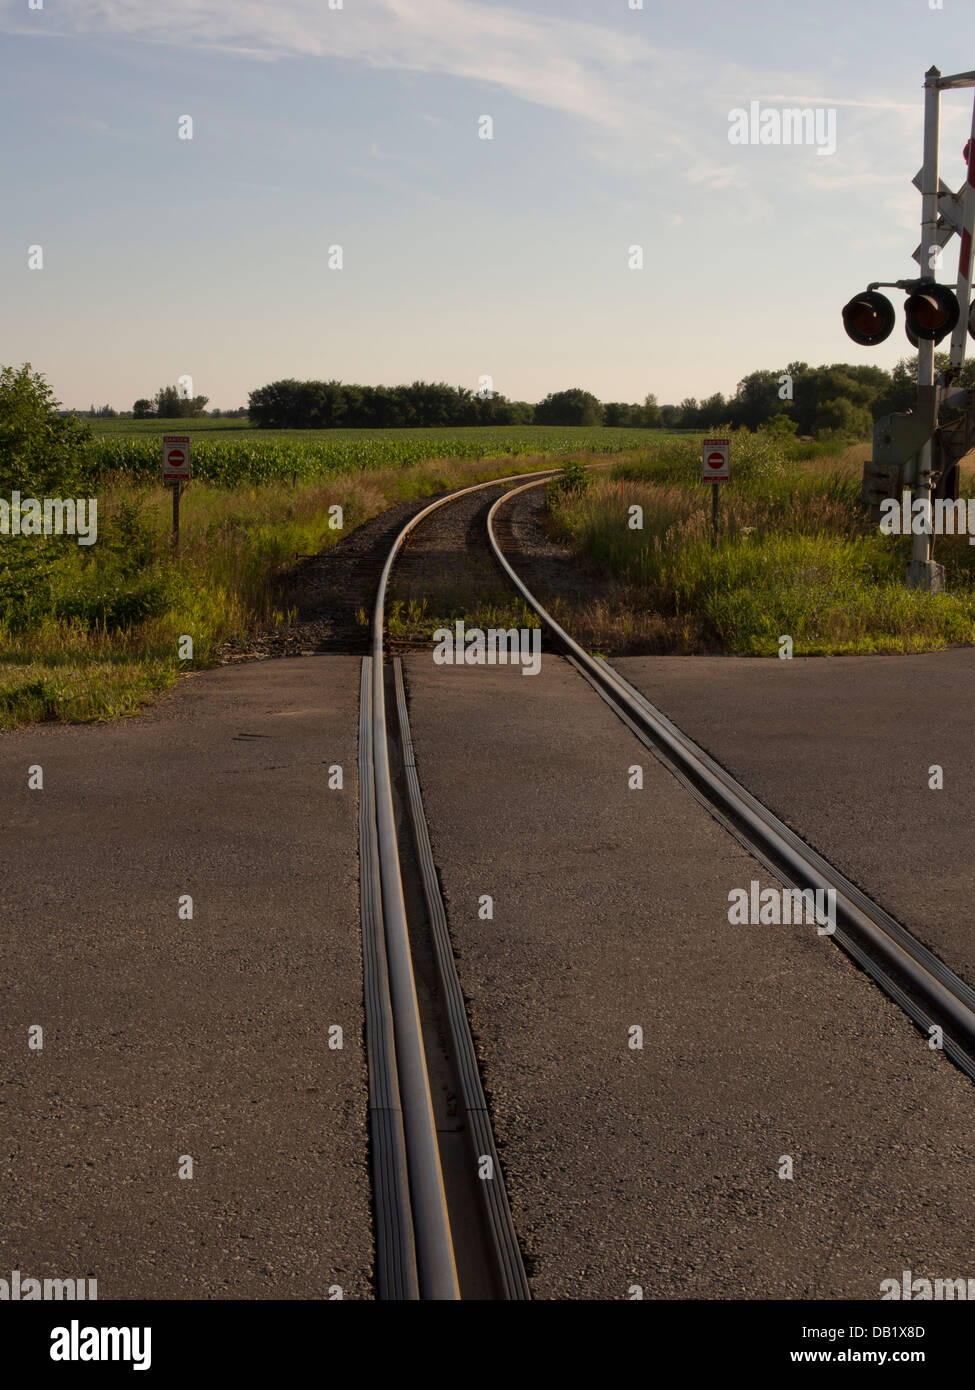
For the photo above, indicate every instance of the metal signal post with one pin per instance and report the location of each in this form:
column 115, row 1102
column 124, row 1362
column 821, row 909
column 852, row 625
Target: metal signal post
column 921, row 574
column 911, row 449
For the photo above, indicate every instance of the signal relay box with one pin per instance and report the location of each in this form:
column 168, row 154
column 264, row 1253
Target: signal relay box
column 897, row 440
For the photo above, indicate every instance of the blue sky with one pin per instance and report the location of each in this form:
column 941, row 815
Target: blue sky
column 462, row 257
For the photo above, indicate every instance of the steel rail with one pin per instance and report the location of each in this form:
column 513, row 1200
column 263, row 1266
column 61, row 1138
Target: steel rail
column 508, row 1263
column 396, row 1276
column 892, row 955
column 435, row 1264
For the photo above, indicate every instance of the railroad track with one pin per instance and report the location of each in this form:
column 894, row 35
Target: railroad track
column 444, row 1230
column 443, row 1223
column 928, row 991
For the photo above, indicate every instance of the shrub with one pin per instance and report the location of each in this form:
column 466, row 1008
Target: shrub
column 41, row 452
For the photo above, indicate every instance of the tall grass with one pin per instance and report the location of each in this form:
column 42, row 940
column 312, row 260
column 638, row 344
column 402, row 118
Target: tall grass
column 796, row 555
column 93, row 632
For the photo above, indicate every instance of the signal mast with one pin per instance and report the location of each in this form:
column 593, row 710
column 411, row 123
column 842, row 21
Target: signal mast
column 911, row 449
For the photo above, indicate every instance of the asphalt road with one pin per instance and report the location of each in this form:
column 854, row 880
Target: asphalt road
column 841, row 748
column 655, row 1167
column 207, row 1037
column 661, row 1167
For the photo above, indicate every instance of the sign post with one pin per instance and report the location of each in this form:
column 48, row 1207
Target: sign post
column 175, row 472
column 715, row 469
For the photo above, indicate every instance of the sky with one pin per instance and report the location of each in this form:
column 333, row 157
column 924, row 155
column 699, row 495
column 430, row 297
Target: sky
column 359, row 124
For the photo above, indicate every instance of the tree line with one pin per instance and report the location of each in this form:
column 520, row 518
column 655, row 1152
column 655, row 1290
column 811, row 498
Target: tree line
column 839, row 400
column 169, row 403
column 326, row 405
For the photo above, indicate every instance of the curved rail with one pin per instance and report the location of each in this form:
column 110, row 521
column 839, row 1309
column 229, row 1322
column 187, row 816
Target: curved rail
column 435, row 1265
column 881, row 945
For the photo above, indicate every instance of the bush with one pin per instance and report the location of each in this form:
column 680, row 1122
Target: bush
column 572, row 480
column 779, row 426
column 41, row 452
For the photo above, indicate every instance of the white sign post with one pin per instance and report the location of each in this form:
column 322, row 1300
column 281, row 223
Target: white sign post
column 715, row 469
column 176, row 471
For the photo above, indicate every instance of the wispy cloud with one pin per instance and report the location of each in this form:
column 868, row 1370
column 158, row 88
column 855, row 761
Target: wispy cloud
column 572, row 66
column 782, row 99
column 723, row 176
column 611, row 79
column 637, row 105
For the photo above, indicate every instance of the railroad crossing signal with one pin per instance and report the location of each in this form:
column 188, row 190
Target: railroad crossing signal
column 869, row 318
column 951, row 219
column 930, row 313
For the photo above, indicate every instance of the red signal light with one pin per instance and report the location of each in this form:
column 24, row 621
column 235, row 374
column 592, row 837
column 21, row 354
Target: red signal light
column 931, row 313
column 869, row 318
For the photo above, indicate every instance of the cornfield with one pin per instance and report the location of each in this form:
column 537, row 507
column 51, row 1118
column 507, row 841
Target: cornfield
column 232, row 462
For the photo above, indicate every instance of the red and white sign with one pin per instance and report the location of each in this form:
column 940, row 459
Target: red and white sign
column 716, row 461
column 176, row 458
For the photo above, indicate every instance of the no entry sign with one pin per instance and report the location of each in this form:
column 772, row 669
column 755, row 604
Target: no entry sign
column 175, row 458
column 715, row 461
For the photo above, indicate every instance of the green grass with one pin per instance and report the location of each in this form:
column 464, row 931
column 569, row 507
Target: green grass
column 90, row 633
column 112, row 427
column 797, row 555
column 415, row 620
